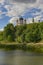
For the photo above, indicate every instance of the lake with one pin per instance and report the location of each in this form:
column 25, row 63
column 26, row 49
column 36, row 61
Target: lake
column 19, row 57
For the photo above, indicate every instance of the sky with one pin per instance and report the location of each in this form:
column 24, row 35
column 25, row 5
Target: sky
column 10, row 10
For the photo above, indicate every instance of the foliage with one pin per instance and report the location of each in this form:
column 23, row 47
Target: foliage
column 1, row 36
column 32, row 32
column 18, row 39
column 9, row 32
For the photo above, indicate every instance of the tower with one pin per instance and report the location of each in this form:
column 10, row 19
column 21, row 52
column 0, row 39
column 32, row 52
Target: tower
column 17, row 21
column 32, row 20
column 21, row 20
column 25, row 21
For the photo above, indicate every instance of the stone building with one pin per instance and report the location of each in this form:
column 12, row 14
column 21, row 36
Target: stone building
column 21, row 21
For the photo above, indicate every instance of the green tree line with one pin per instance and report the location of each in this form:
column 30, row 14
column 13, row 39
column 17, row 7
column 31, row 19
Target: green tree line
column 26, row 33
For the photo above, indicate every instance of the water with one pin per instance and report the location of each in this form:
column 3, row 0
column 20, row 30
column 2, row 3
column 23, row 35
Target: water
column 19, row 57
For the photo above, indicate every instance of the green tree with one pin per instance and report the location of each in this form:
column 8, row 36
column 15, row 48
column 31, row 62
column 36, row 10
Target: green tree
column 18, row 39
column 9, row 32
column 33, row 33
column 1, row 36
column 28, row 37
column 36, row 35
column 23, row 37
column 41, row 29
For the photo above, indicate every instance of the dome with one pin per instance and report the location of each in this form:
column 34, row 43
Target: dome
column 20, row 18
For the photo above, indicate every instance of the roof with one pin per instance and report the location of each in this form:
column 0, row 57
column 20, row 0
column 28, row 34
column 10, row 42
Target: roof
column 20, row 18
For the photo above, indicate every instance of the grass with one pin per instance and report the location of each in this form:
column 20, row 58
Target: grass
column 34, row 47
column 37, row 47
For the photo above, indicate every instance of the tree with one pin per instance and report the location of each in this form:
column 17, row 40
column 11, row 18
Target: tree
column 9, row 32
column 23, row 37
column 41, row 29
column 20, row 29
column 36, row 35
column 1, row 35
column 28, row 37
column 33, row 34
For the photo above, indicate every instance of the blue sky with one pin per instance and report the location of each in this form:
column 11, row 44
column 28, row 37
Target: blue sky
column 10, row 10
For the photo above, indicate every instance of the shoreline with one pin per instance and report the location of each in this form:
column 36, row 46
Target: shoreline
column 33, row 47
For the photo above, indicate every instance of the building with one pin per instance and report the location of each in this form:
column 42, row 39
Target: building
column 21, row 21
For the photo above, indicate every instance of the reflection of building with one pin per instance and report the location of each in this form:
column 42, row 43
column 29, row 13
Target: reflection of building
column 21, row 21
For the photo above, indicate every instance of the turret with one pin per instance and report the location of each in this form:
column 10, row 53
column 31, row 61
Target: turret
column 32, row 20
column 17, row 21
column 25, row 21
column 21, row 20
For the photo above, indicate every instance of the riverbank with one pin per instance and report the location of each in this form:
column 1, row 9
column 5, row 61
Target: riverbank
column 12, row 38
column 33, row 47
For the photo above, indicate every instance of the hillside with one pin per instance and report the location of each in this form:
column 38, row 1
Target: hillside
column 26, row 33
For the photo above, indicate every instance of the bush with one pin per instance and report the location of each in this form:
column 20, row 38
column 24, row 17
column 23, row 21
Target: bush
column 18, row 39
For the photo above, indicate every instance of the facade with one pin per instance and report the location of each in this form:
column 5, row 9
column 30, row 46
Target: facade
column 21, row 21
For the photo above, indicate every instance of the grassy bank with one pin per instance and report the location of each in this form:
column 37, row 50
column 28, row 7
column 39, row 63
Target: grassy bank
column 38, row 47
column 34, row 47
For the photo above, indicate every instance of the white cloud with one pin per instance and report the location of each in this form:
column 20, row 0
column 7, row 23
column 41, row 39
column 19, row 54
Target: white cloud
column 15, row 9
column 29, row 20
column 13, row 20
column 1, row 1
column 0, row 12
column 37, row 18
column 1, row 29
column 18, row 7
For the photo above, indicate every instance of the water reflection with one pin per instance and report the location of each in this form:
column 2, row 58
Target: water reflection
column 19, row 57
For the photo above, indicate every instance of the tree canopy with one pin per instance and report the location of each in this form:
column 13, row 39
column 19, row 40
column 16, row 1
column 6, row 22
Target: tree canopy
column 28, row 33
column 9, row 32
